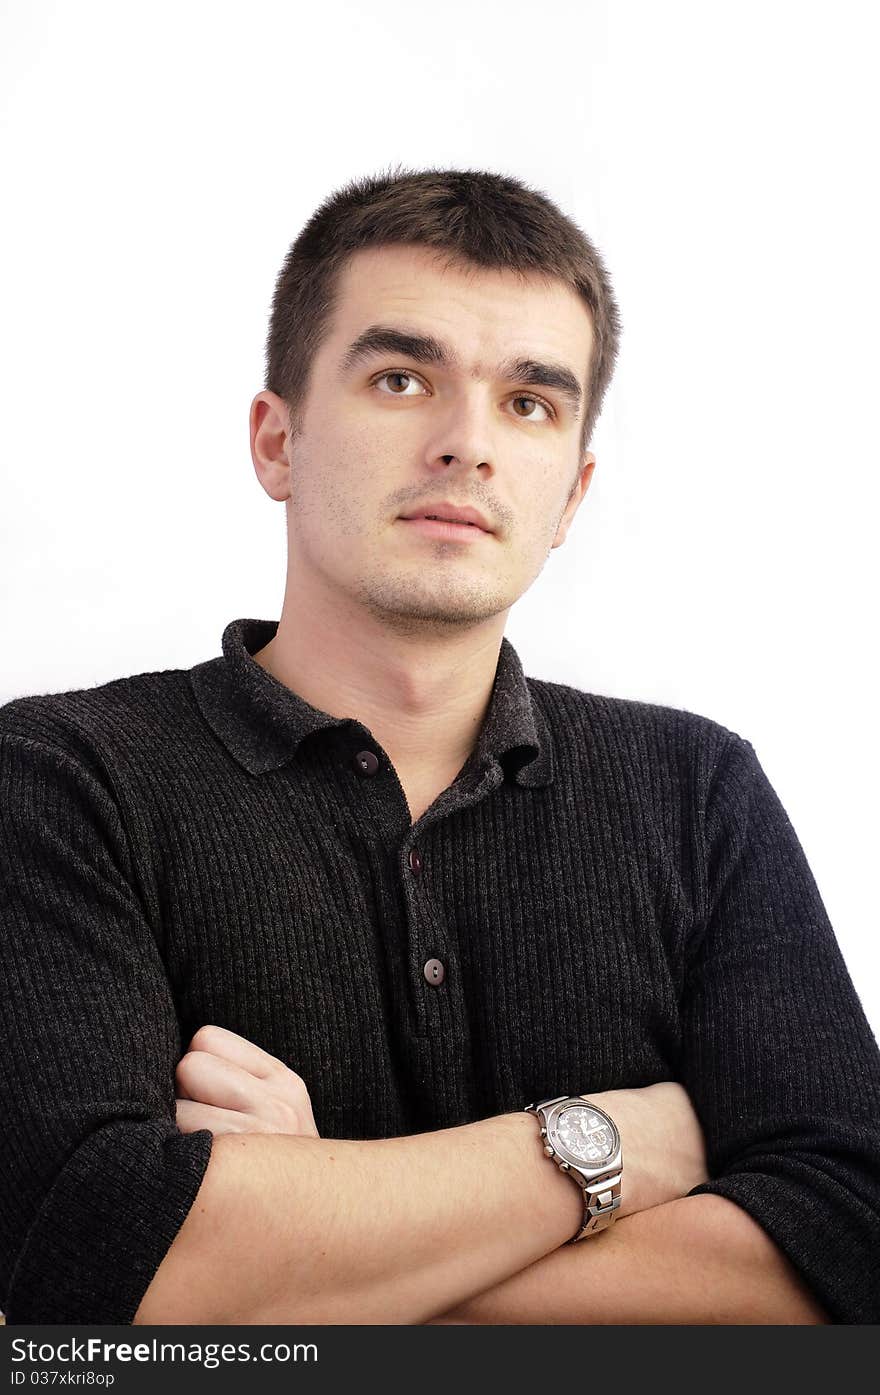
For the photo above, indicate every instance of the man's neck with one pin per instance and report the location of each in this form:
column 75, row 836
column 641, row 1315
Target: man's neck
column 423, row 696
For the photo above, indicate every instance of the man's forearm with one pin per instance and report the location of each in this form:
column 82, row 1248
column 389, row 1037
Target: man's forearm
column 310, row 1230
column 700, row 1259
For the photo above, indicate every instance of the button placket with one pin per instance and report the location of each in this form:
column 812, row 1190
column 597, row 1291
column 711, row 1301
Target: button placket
column 433, row 969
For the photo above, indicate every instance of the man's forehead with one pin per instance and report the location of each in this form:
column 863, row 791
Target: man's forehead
column 382, row 283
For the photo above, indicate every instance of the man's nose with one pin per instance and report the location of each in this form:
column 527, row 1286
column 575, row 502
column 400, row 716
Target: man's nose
column 462, row 433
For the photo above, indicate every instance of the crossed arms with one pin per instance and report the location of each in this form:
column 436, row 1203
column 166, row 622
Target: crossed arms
column 459, row 1225
column 462, row 1224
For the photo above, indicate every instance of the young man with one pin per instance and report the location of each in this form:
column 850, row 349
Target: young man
column 294, row 939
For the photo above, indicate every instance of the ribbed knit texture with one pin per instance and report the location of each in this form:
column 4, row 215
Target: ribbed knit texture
column 613, row 887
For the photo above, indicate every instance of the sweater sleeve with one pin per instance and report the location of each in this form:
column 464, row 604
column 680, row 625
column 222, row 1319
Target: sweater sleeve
column 96, row 1177
column 778, row 1057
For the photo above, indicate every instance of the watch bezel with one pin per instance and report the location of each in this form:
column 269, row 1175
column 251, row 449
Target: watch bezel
column 610, row 1164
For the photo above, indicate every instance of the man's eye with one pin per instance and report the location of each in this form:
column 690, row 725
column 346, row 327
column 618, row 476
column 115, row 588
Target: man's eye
column 535, row 401
column 407, row 378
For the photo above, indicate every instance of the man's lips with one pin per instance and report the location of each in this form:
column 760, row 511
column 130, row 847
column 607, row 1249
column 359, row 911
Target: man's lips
column 447, row 511
column 438, row 528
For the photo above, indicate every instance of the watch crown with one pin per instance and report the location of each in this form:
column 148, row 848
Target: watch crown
column 565, row 1167
column 548, row 1149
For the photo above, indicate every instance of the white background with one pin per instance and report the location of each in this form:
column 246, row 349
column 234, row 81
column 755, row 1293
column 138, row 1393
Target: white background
column 157, row 161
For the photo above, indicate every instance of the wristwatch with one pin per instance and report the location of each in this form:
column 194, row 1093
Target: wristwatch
column 584, row 1142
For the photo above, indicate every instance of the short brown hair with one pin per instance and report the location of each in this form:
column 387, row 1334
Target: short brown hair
column 471, row 216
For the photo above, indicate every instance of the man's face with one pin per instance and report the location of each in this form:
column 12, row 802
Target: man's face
column 389, row 433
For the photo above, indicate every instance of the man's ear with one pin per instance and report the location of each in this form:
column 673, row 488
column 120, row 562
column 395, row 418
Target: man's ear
column 269, row 432
column 579, row 489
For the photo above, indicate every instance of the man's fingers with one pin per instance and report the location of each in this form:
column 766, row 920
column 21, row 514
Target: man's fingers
column 210, row 1079
column 225, row 1071
column 219, row 1041
column 192, row 1116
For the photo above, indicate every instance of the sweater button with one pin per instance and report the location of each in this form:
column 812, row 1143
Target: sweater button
column 434, row 971
column 415, row 863
column 366, row 763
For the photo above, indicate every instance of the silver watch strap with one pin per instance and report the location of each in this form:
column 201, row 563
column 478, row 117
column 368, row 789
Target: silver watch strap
column 601, row 1200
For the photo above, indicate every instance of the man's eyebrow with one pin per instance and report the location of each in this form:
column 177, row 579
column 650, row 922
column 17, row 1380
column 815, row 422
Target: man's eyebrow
column 424, row 348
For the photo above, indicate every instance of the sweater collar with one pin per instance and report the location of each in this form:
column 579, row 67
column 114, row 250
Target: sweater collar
column 261, row 721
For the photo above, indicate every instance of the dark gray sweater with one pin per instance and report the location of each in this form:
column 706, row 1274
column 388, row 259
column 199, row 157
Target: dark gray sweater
column 612, row 890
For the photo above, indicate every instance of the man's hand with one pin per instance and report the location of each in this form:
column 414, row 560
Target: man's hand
column 228, row 1084
column 664, row 1152
column 664, row 1156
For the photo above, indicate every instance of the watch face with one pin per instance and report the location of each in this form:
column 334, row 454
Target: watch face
column 586, row 1134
